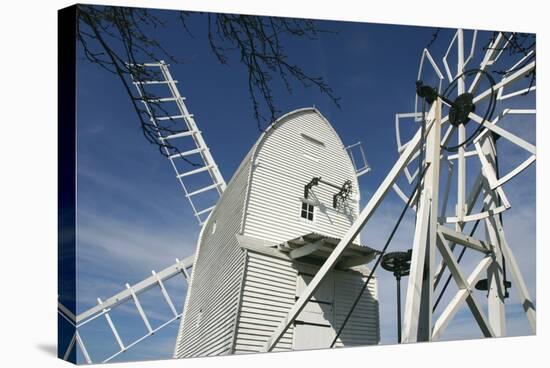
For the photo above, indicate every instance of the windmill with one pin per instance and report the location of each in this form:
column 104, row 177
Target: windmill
column 291, row 199
column 181, row 142
column 460, row 107
column 461, row 118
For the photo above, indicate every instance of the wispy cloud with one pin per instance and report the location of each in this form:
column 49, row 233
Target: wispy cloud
column 134, row 245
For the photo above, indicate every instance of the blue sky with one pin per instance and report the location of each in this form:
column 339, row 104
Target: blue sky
column 133, row 217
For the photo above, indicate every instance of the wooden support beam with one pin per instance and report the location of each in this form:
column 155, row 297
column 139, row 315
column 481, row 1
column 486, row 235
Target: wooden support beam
column 465, row 240
column 464, row 284
column 306, row 250
column 347, row 239
column 454, row 305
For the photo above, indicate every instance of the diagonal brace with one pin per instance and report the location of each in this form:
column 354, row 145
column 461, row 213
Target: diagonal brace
column 463, row 284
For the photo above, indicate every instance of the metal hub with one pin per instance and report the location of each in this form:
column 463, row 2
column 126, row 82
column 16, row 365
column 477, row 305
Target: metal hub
column 397, row 262
column 461, row 109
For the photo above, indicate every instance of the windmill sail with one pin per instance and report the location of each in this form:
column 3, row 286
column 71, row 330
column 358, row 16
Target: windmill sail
column 182, row 143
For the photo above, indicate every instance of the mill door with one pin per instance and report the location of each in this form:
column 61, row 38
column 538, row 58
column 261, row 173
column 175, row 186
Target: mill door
column 313, row 328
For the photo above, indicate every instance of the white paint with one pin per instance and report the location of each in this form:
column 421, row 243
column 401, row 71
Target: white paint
column 242, row 297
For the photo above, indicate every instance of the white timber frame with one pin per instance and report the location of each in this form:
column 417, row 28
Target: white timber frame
column 431, row 234
column 131, row 293
column 187, row 130
column 360, row 163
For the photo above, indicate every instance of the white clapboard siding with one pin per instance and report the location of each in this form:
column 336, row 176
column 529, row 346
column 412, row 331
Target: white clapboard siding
column 284, row 165
column 268, row 294
column 237, row 298
column 363, row 327
column 208, row 324
column 340, row 288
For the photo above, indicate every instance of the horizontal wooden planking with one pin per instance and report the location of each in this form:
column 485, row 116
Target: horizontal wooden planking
column 240, row 347
column 367, row 334
column 261, row 316
column 263, row 274
column 245, row 350
column 336, row 174
column 366, row 298
column 255, row 339
column 220, row 338
column 261, row 328
column 363, row 326
column 283, row 229
column 263, row 267
column 216, row 278
column 277, row 183
column 224, row 321
column 256, row 320
column 215, row 339
column 220, row 292
column 265, row 290
column 263, row 312
column 322, row 193
column 222, row 328
column 272, row 286
column 293, row 147
column 268, row 292
column 262, row 333
column 266, row 300
column 365, row 301
column 369, row 292
column 342, row 311
column 216, row 243
column 259, row 343
column 273, row 174
column 259, row 308
column 219, row 346
column 295, row 181
column 214, row 316
column 352, row 343
column 211, row 255
column 277, row 307
column 266, row 265
column 346, row 339
column 216, row 273
column 334, row 221
column 366, row 326
column 271, row 283
column 219, row 277
column 254, row 342
column 221, row 289
column 258, row 257
column 354, row 319
column 277, row 303
column 210, row 327
column 273, row 264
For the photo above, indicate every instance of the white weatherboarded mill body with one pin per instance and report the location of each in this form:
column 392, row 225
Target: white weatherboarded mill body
column 264, row 241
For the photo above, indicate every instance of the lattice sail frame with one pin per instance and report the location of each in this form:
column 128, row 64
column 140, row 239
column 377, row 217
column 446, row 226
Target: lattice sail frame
column 185, row 128
column 130, row 295
column 494, row 52
column 434, row 230
column 488, row 186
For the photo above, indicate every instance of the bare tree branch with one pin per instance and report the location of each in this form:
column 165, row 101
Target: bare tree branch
column 118, row 40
